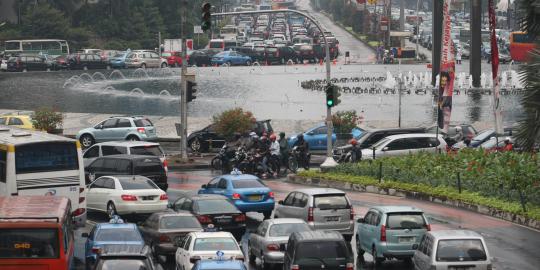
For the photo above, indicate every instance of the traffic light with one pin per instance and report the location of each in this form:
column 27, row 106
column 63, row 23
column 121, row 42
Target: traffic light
column 332, row 95
column 206, row 20
column 191, row 90
column 336, row 93
column 415, row 30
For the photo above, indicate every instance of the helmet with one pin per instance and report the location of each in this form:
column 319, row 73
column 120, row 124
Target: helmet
column 253, row 134
column 300, row 136
column 508, row 139
column 353, row 141
column 282, row 134
column 273, row 137
column 264, row 138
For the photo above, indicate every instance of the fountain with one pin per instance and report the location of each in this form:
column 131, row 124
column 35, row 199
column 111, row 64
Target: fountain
column 99, row 76
column 136, row 91
column 164, row 93
column 117, row 74
column 109, row 88
column 85, row 77
column 140, row 73
column 390, row 82
column 483, row 80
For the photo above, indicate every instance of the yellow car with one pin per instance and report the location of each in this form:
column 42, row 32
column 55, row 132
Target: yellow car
column 20, row 121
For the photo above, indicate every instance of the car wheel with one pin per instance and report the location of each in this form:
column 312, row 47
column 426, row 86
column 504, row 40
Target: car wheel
column 376, row 260
column 111, row 210
column 143, row 66
column 85, row 68
column 267, row 215
column 163, row 65
column 248, row 63
column 194, row 64
column 195, row 145
column 251, row 256
column 264, row 265
column 133, row 138
column 86, row 140
column 293, row 165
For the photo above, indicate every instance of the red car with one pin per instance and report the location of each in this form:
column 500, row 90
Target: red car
column 174, row 59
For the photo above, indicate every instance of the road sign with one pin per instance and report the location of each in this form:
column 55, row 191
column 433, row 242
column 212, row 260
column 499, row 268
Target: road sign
column 197, row 29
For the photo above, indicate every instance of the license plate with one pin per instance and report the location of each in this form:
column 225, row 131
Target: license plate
column 147, row 198
column 406, row 239
column 254, row 197
column 459, row 268
column 333, row 219
column 222, row 220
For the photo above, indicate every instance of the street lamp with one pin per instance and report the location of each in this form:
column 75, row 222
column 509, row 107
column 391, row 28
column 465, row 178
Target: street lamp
column 417, row 29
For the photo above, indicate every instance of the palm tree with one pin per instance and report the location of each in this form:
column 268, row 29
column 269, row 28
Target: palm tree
column 528, row 132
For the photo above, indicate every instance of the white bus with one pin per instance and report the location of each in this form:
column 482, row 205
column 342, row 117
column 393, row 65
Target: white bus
column 37, row 163
column 52, row 47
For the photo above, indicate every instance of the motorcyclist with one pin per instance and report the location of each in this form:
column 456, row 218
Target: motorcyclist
column 263, row 150
column 254, row 142
column 283, row 148
column 303, row 149
column 508, row 145
column 274, row 149
column 356, row 152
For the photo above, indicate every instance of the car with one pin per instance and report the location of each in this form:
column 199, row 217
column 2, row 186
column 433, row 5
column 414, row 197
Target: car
column 231, row 58
column 132, row 128
column 3, row 64
column 316, row 137
column 269, row 241
column 127, row 257
column 200, row 58
column 373, row 136
column 174, row 59
column 163, row 229
column 115, row 232
column 20, row 121
column 124, row 147
column 125, row 194
column 213, row 209
column 452, row 249
column 119, row 60
column 219, row 265
column 86, row 61
column 207, row 138
column 204, row 245
column 147, row 166
column 59, row 63
column 144, row 59
column 317, row 250
column 247, row 192
column 390, row 232
column 405, row 144
column 321, row 208
column 482, row 137
column 287, row 54
column 27, row 63
column 304, row 52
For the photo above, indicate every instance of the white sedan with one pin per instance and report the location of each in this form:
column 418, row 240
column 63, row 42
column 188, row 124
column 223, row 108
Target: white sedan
column 206, row 245
column 125, row 195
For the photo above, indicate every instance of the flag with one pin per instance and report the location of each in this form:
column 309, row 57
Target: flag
column 495, row 68
column 447, row 73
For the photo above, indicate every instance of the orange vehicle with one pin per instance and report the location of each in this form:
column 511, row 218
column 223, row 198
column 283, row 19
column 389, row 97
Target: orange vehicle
column 36, row 233
column 520, row 46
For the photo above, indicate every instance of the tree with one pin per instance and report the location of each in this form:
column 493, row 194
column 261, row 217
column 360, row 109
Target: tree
column 529, row 127
column 232, row 121
column 44, row 21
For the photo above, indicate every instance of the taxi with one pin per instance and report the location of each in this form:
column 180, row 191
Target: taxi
column 20, row 121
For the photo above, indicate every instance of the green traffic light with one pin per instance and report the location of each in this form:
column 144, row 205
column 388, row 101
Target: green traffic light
column 330, row 103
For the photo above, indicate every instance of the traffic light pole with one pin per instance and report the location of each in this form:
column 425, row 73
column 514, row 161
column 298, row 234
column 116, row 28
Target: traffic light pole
column 329, row 162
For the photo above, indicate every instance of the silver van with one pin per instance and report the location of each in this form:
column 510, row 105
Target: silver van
column 321, row 208
column 144, row 59
column 451, row 249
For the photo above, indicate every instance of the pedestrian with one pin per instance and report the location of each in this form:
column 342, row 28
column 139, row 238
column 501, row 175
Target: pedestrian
column 458, row 56
column 283, row 148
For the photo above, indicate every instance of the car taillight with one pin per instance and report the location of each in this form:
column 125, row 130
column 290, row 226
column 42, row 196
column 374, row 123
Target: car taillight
column 96, row 250
column 194, row 259
column 141, row 130
column 166, row 164
column 295, row 267
column 428, row 227
column 240, row 218
column 163, row 197
column 352, row 213
column 204, row 219
column 129, row 197
column 272, row 247
column 81, row 190
column 164, row 238
column 271, row 194
column 236, row 196
column 350, row 266
column 78, row 212
column 383, row 233
column 310, row 214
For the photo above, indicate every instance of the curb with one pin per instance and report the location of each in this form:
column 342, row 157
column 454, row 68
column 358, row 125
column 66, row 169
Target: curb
column 481, row 209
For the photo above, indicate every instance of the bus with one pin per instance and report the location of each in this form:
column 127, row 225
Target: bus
column 37, row 163
column 36, row 232
column 520, row 46
column 52, row 47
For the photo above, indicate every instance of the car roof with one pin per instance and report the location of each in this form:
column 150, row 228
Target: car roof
column 116, row 225
column 132, row 157
column 212, row 234
column 125, row 250
column 397, row 208
column 394, row 129
column 128, row 143
column 316, row 191
column 16, row 115
column 173, row 213
column 205, row 197
column 285, row 221
column 412, row 135
column 455, row 234
column 221, row 264
column 234, row 177
column 317, row 235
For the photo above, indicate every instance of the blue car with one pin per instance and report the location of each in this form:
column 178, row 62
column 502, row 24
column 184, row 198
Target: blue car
column 316, row 137
column 231, row 58
column 118, row 60
column 245, row 191
column 219, row 265
column 116, row 232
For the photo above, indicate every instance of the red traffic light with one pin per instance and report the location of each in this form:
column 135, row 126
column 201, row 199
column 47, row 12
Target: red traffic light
column 206, row 7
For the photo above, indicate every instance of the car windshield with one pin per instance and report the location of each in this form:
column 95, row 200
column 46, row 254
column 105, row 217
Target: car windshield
column 380, row 143
column 149, row 166
column 215, row 243
column 124, row 264
column 483, row 135
column 330, row 201
column 118, row 235
column 277, row 230
column 405, row 220
column 137, row 183
column 321, row 250
column 178, row 222
column 248, row 183
column 147, row 150
column 215, row 206
column 460, row 250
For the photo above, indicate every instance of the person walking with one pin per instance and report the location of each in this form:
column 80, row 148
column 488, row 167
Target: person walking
column 458, row 56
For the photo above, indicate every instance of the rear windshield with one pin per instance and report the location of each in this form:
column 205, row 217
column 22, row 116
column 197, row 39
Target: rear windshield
column 148, row 166
column 29, row 243
column 127, row 264
column 215, row 206
column 151, row 150
column 166, row 54
column 331, row 201
column 134, row 184
column 248, row 183
column 216, row 45
column 215, row 243
column 321, row 250
column 118, row 234
column 178, row 222
column 46, row 157
column 461, row 250
column 287, row 229
column 397, row 221
column 143, row 123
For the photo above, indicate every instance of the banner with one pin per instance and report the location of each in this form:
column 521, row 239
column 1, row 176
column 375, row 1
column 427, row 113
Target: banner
column 495, row 68
column 447, row 74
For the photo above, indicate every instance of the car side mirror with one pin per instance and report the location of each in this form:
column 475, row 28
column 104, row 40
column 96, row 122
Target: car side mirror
column 204, row 186
column 280, row 202
column 415, row 246
column 386, row 149
column 84, row 234
column 99, row 127
column 360, row 220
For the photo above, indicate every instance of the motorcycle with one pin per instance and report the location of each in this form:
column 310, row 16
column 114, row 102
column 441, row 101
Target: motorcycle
column 295, row 160
column 252, row 163
column 223, row 161
column 345, row 154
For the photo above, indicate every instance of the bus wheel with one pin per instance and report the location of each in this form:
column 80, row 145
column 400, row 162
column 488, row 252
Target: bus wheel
column 111, row 210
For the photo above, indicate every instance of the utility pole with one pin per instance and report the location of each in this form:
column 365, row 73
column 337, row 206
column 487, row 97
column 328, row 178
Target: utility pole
column 475, row 62
column 159, row 42
column 183, row 84
column 402, row 22
column 417, row 29
column 399, row 97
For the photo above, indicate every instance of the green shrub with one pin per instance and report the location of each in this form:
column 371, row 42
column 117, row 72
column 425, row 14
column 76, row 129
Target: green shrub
column 232, row 121
column 344, row 121
column 47, row 119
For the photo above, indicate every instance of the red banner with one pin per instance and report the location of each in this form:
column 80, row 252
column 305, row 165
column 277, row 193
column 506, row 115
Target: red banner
column 495, row 68
column 446, row 77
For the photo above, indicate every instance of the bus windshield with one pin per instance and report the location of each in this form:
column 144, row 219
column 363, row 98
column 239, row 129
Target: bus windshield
column 522, row 38
column 29, row 243
column 13, row 46
column 46, row 157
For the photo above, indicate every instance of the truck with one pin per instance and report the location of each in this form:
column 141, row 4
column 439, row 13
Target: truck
column 172, row 45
